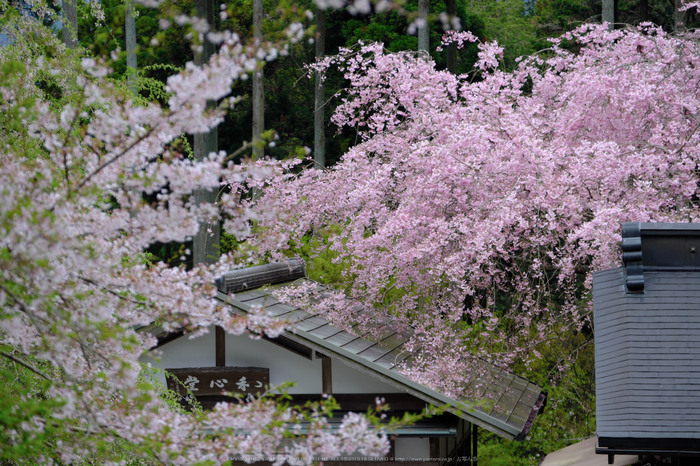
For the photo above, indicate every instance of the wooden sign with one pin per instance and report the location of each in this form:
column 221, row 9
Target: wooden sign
column 216, row 380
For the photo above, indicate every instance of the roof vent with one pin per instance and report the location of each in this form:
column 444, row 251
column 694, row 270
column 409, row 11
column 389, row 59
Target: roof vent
column 632, row 257
column 255, row 277
column 665, row 246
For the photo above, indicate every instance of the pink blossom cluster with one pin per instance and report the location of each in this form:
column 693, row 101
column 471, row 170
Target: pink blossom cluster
column 456, row 37
column 473, row 212
column 86, row 185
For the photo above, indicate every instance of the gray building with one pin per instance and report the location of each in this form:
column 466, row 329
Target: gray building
column 647, row 345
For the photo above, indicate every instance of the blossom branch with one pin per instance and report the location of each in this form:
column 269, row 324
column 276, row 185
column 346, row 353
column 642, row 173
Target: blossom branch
column 26, row 365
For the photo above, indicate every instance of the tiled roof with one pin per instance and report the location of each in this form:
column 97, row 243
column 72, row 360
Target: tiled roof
column 509, row 411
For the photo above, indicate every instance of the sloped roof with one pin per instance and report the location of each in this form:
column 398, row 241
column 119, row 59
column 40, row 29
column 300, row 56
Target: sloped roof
column 514, row 402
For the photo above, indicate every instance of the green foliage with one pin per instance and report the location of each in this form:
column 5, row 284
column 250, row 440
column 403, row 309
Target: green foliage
column 148, row 379
column 26, row 401
column 27, row 389
column 390, row 28
column 515, row 24
column 554, row 17
column 567, row 371
column 557, row 16
column 322, row 265
column 29, row 43
column 151, row 88
column 509, row 23
column 101, row 38
column 229, row 243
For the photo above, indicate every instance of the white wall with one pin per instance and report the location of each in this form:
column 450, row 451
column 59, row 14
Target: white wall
column 284, row 365
column 349, row 380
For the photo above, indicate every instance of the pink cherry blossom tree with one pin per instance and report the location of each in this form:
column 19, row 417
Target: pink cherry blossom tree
column 476, row 207
column 88, row 180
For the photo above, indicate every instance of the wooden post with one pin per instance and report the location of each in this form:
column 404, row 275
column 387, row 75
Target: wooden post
column 434, row 447
column 468, row 440
column 475, row 440
column 220, row 344
column 326, row 375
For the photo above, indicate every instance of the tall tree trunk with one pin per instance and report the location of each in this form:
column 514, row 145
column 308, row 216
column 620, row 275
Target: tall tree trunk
column 679, row 17
column 205, row 247
column 452, row 48
column 423, row 9
column 610, row 13
column 643, row 11
column 319, row 93
column 130, row 39
column 258, row 92
column 69, row 34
